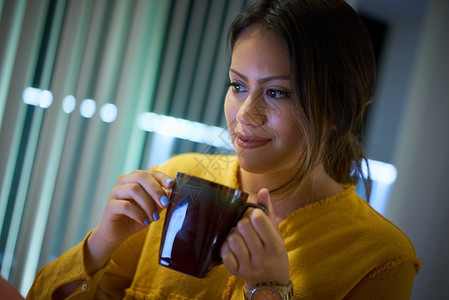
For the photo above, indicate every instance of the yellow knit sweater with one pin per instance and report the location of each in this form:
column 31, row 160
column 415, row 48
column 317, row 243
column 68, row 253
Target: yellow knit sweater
column 338, row 247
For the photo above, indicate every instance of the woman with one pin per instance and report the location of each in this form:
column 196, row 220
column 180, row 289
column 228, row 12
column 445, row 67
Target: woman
column 301, row 75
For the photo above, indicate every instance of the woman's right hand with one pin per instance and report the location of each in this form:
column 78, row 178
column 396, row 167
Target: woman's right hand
column 133, row 203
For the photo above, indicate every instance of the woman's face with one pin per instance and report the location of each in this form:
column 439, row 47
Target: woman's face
column 258, row 104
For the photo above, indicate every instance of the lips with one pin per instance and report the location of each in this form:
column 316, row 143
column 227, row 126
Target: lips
column 250, row 141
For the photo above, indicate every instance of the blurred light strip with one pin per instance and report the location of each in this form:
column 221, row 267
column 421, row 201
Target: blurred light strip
column 20, row 199
column 185, row 129
column 219, row 137
column 9, row 49
column 68, row 104
column 88, row 108
column 380, row 171
column 108, row 113
column 37, row 97
column 383, row 176
column 44, row 98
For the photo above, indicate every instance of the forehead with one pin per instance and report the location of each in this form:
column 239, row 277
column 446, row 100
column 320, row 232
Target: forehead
column 261, row 49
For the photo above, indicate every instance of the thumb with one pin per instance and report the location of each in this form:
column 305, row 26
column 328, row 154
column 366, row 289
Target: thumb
column 264, row 199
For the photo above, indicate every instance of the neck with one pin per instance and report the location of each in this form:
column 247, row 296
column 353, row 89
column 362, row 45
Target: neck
column 316, row 186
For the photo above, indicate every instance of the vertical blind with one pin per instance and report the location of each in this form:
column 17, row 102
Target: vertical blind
column 75, row 75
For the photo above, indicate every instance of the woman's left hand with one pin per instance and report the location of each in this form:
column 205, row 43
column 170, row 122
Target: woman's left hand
column 255, row 251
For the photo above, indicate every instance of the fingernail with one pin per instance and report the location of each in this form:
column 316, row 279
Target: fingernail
column 168, row 181
column 146, row 221
column 164, row 200
column 155, row 215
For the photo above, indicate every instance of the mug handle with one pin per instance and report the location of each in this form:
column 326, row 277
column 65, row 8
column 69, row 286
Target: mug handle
column 244, row 208
column 248, row 205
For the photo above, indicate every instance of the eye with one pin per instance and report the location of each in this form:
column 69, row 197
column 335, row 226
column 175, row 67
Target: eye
column 237, row 87
column 277, row 94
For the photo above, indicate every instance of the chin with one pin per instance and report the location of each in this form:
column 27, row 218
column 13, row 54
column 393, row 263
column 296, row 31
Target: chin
column 252, row 164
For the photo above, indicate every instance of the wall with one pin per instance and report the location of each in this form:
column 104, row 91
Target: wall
column 408, row 127
column 420, row 200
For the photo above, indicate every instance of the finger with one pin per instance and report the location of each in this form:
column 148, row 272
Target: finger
column 267, row 231
column 252, row 241
column 165, row 180
column 155, row 190
column 238, row 246
column 134, row 191
column 229, row 259
column 119, row 208
column 264, row 199
column 153, row 183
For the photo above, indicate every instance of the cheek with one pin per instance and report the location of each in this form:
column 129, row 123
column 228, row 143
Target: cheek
column 230, row 110
column 284, row 123
column 280, row 118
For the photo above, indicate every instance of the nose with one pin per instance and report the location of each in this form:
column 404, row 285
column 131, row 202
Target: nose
column 252, row 111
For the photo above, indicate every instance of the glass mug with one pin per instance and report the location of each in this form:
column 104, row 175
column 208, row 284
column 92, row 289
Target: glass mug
column 199, row 217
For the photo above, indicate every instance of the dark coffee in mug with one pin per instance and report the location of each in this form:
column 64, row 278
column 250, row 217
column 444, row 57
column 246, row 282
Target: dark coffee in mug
column 199, row 217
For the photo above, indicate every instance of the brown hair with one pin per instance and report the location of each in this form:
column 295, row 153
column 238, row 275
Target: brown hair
column 333, row 72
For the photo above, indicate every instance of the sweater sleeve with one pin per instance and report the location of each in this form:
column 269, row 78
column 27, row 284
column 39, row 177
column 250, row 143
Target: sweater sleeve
column 108, row 282
column 69, row 268
column 395, row 281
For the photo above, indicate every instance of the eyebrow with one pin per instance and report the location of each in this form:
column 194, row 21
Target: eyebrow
column 262, row 80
